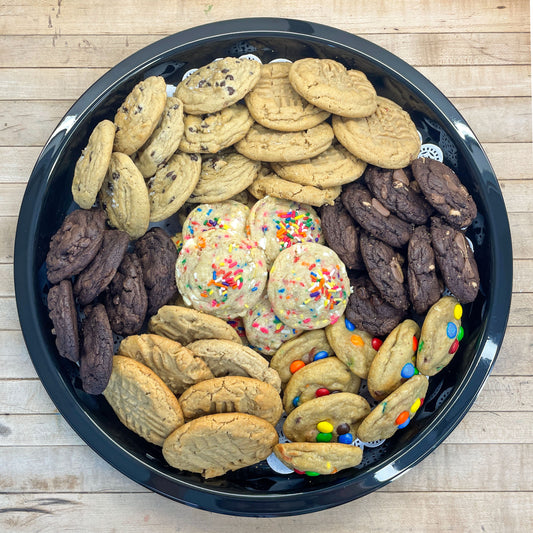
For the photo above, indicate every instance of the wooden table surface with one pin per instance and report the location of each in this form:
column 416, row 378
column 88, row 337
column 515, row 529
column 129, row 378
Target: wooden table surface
column 478, row 53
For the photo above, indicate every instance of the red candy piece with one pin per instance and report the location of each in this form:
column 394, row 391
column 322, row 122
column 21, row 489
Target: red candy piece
column 376, row 343
column 454, row 346
column 321, row 392
column 299, row 472
column 415, row 344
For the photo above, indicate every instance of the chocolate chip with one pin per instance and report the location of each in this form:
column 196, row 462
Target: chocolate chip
column 231, row 90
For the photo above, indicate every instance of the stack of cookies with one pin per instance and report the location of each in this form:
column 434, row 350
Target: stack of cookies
column 313, row 246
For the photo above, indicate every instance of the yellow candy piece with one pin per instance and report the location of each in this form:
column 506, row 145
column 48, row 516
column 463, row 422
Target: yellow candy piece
column 324, row 427
column 458, row 311
column 415, row 406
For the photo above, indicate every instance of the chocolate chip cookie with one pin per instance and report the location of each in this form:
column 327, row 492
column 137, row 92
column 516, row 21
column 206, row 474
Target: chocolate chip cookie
column 157, row 254
column 444, row 191
column 374, row 217
column 99, row 273
column 64, row 317
column 456, row 260
column 75, row 244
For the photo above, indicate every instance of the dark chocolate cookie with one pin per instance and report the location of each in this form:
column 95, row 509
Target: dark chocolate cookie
column 96, row 361
column 62, row 312
column 395, row 191
column 158, row 255
column 99, row 273
column 384, row 267
column 75, row 244
column 368, row 311
column 444, row 191
column 425, row 288
column 456, row 260
column 342, row 234
column 374, row 216
column 125, row 297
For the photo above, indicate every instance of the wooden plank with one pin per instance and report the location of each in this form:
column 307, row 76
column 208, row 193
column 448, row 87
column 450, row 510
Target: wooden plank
column 416, row 16
column 462, row 467
column 18, row 162
column 7, row 239
column 521, row 224
column 453, row 81
column 513, row 125
column 7, row 287
column 475, row 428
column 500, row 393
column 482, row 511
column 8, row 314
column 417, row 49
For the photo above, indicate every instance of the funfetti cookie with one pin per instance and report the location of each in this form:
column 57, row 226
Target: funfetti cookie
column 221, row 273
column 218, row 85
column 330, row 418
column 354, row 347
column 275, row 104
column 395, row 411
column 264, row 330
column 276, row 224
column 319, row 378
column 294, row 354
column 308, row 286
column 395, row 360
column 440, row 336
column 318, row 458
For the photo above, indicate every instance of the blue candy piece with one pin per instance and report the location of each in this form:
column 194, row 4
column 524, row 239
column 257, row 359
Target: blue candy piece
column 349, row 325
column 451, row 330
column 408, row 371
column 295, row 401
column 401, row 426
column 320, row 355
column 347, row 438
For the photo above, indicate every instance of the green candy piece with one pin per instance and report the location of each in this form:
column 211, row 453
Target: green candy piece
column 312, row 474
column 324, row 437
column 461, row 334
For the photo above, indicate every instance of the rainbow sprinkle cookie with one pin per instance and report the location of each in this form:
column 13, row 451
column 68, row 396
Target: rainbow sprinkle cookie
column 277, row 224
column 264, row 330
column 308, row 286
column 228, row 215
column 220, row 273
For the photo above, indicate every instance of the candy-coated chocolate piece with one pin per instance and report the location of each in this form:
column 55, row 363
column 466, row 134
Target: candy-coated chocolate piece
column 321, row 392
column 376, row 343
column 324, row 427
column 296, row 365
column 349, row 325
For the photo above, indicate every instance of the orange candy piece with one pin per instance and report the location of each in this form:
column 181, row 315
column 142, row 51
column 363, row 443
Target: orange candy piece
column 356, row 340
column 296, row 365
column 402, row 417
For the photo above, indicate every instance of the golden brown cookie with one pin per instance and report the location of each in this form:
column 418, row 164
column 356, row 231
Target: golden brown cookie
column 327, row 84
column 318, row 457
column 124, row 196
column 208, row 134
column 142, row 402
column 263, row 144
column 440, row 336
column 230, row 394
column 138, row 116
column 175, row 364
column 172, row 185
column 92, row 165
column 352, row 346
column 218, row 85
column 164, row 141
column 276, row 105
column 227, row 358
column 186, row 325
column 395, row 411
column 223, row 176
column 331, row 418
column 336, row 166
column 388, row 138
column 215, row 444
column 273, row 185
column 394, row 362
column 319, row 378
column 303, row 349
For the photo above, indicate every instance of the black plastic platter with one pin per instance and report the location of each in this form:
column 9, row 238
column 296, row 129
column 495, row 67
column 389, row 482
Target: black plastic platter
column 259, row 490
